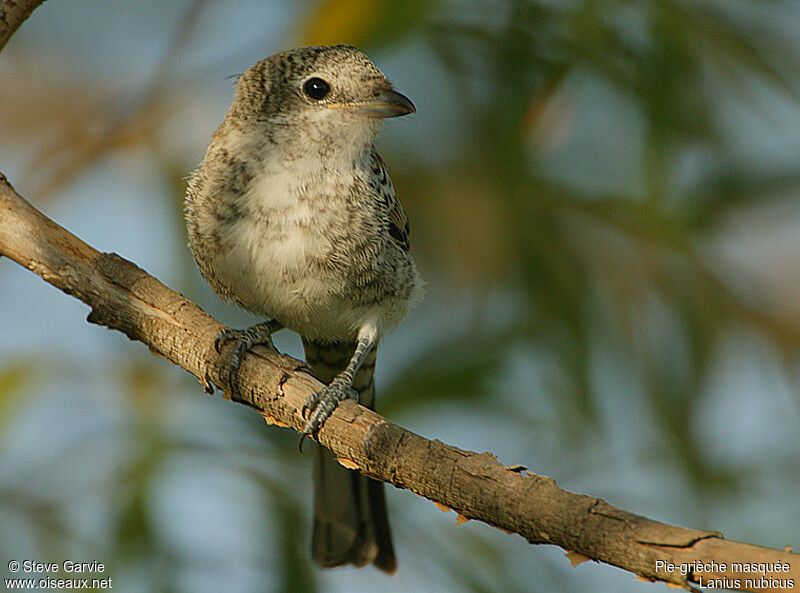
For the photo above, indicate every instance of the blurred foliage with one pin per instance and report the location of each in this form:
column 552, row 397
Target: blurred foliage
column 13, row 377
column 587, row 261
column 363, row 23
column 571, row 244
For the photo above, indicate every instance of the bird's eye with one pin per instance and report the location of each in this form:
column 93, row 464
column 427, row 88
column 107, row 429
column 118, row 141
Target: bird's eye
column 316, row 88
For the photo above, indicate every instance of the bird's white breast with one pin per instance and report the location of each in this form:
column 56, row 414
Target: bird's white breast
column 280, row 226
column 269, row 250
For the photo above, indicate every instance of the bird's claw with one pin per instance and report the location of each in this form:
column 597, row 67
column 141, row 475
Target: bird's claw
column 226, row 335
column 324, row 402
column 260, row 334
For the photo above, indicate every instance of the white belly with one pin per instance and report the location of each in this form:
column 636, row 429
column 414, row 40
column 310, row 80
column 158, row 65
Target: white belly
column 266, row 263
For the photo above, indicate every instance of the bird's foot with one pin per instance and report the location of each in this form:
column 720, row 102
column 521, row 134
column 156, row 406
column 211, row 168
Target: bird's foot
column 324, row 402
column 260, row 334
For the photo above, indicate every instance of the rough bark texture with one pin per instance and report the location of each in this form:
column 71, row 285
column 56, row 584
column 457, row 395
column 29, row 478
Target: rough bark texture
column 12, row 14
column 124, row 297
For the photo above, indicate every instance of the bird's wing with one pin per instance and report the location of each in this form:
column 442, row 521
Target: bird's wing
column 397, row 221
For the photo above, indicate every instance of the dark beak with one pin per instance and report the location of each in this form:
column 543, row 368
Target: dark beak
column 387, row 103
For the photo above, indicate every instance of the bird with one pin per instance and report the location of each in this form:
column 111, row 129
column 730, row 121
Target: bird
column 292, row 216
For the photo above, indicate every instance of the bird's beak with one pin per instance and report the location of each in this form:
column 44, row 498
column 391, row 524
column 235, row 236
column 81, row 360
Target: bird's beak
column 387, row 103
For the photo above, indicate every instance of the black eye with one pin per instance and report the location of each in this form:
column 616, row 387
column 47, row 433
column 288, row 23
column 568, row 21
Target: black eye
column 316, row 88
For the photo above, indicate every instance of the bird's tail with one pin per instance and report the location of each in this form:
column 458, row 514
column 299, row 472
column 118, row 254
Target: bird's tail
column 350, row 521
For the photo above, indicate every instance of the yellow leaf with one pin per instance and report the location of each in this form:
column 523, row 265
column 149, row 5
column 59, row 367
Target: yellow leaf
column 461, row 519
column 442, row 507
column 13, row 377
column 339, row 21
column 367, row 24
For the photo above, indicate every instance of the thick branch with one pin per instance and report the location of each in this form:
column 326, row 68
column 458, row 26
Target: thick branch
column 12, row 14
column 126, row 298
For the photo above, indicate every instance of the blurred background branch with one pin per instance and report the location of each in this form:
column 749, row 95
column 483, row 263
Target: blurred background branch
column 603, row 197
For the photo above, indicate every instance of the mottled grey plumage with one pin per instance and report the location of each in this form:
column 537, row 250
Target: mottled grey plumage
column 292, row 216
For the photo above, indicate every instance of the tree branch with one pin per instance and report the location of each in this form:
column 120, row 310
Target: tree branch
column 12, row 14
column 124, row 297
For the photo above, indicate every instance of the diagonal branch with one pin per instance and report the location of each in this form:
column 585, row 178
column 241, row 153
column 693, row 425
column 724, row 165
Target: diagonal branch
column 124, row 297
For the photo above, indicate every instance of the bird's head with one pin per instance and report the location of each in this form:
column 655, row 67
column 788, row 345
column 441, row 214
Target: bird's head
column 329, row 98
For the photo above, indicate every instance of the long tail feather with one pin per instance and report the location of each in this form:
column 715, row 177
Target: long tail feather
column 350, row 521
